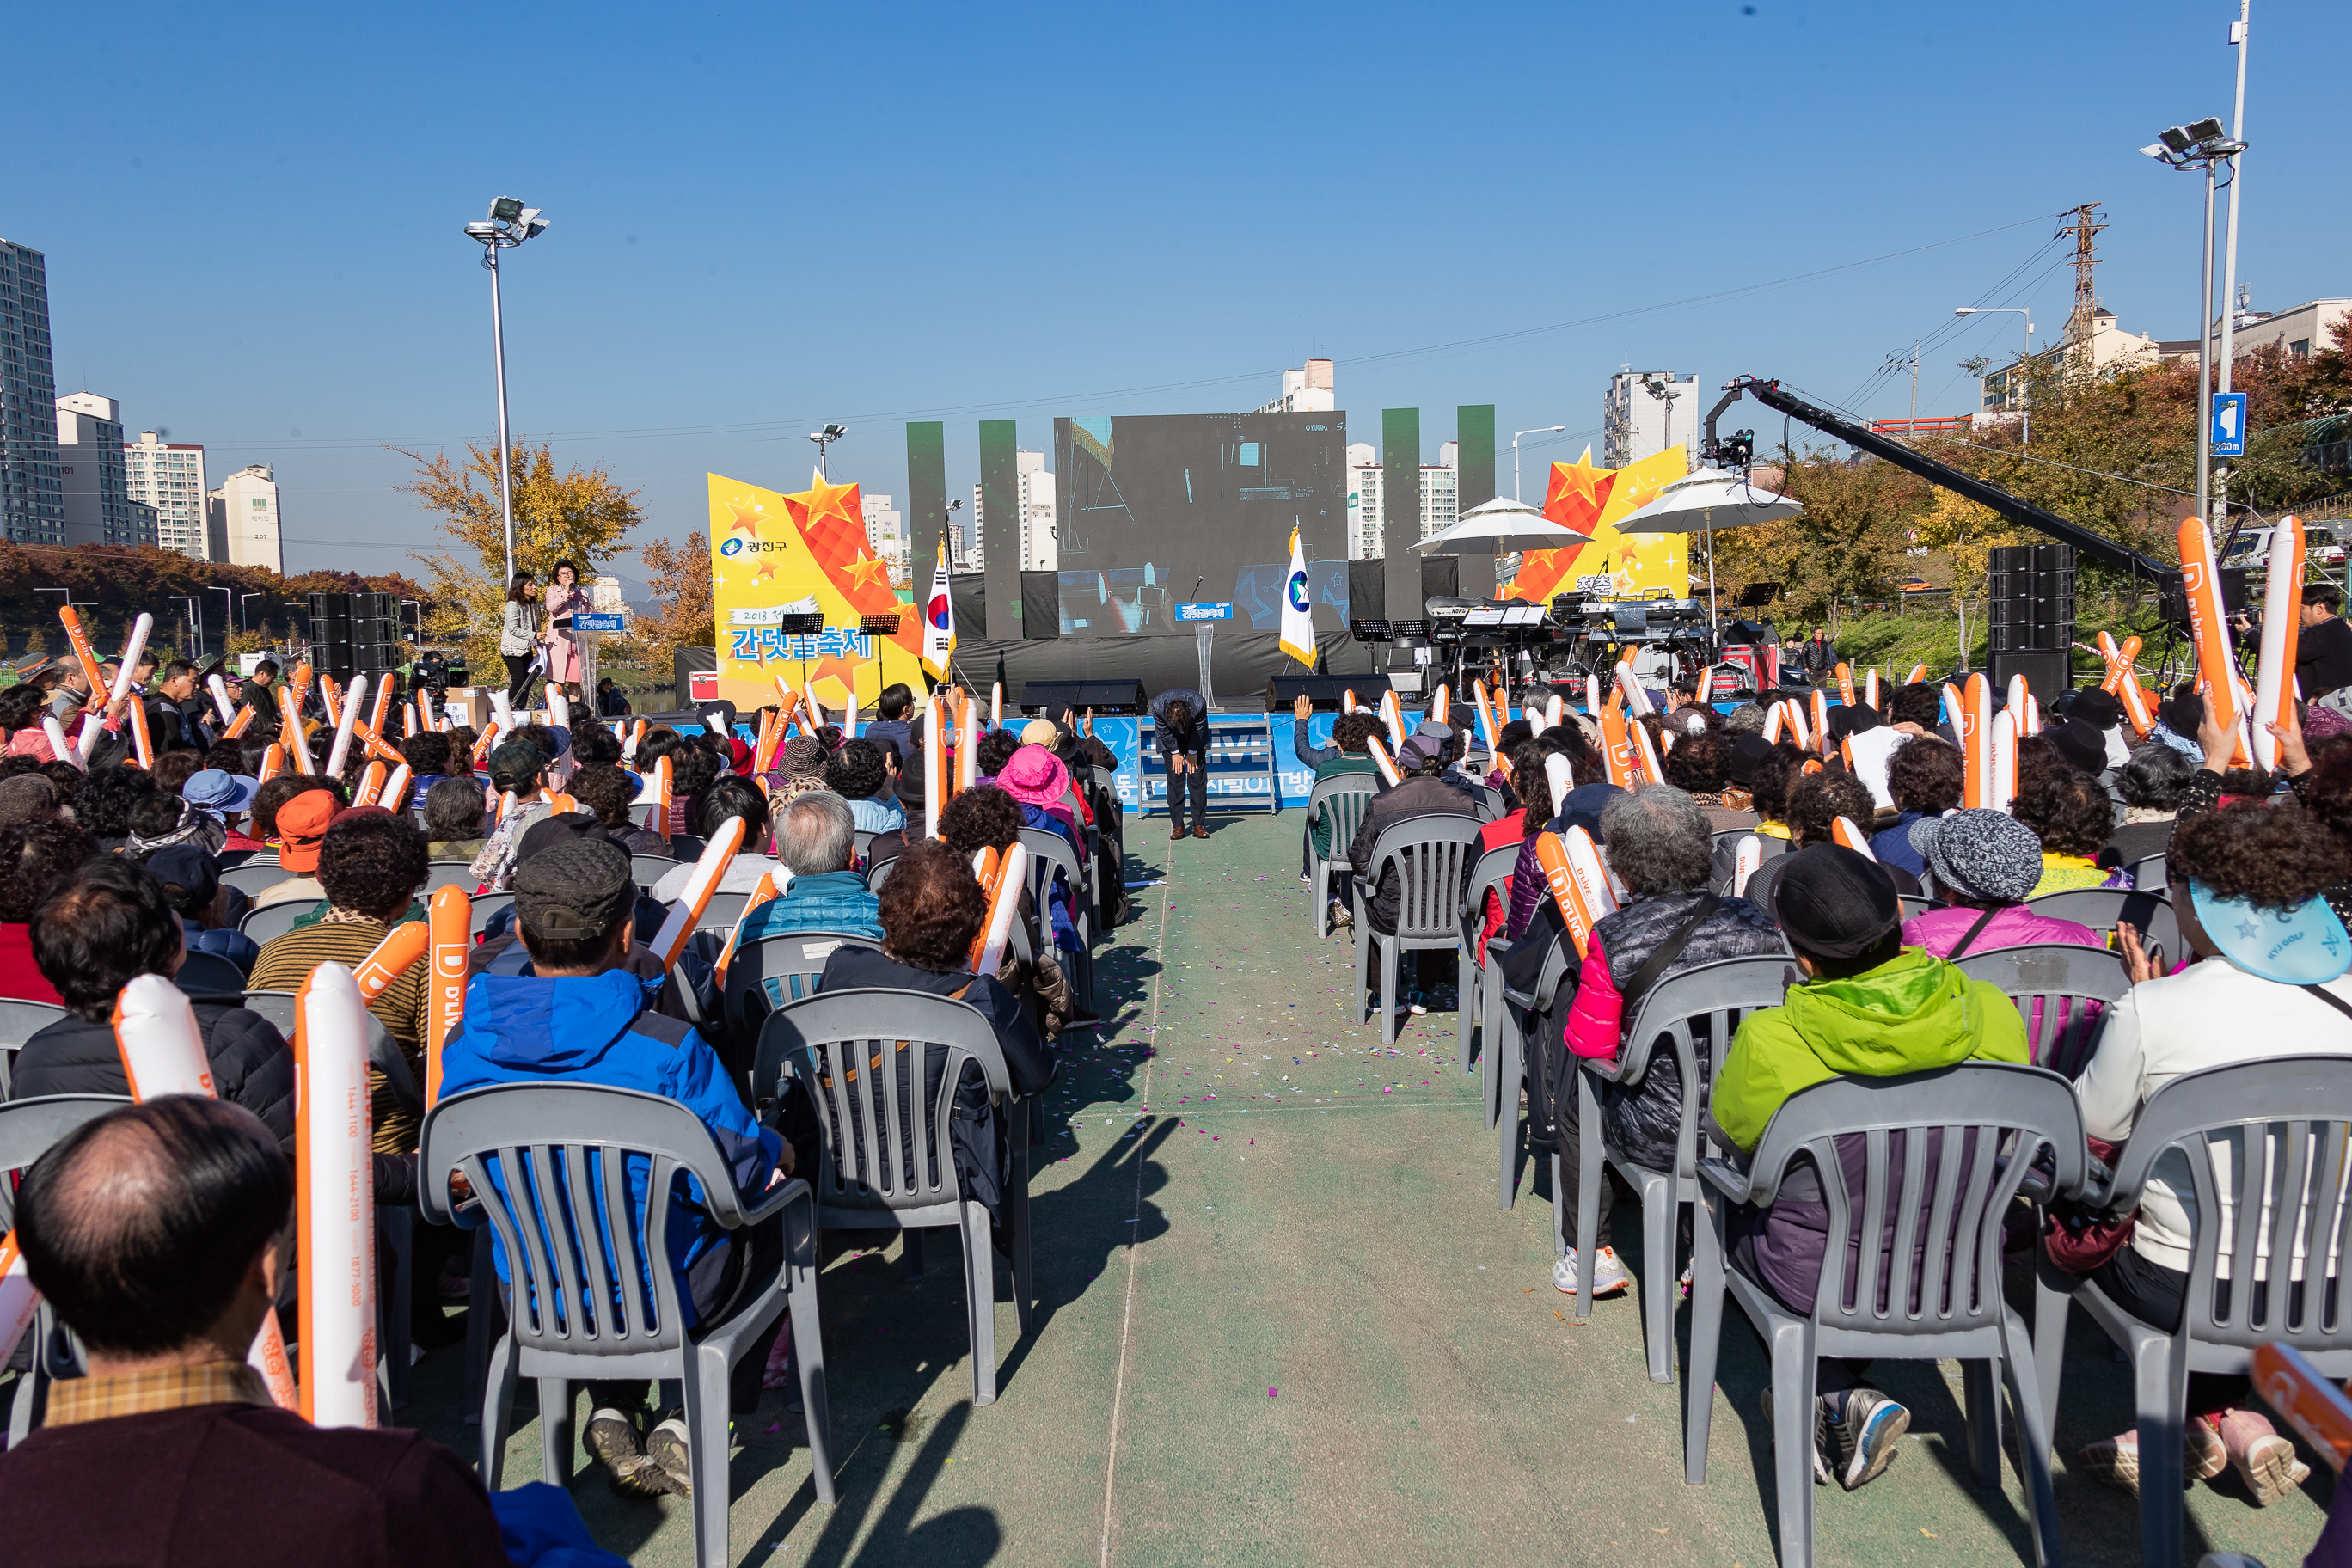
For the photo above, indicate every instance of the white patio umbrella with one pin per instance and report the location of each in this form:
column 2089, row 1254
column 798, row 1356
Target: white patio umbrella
column 1499, row 527
column 1704, row 502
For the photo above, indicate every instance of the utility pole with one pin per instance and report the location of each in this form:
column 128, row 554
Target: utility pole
column 2079, row 326
column 2229, row 262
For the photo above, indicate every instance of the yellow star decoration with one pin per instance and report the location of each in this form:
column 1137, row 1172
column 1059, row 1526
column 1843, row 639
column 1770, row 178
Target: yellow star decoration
column 1580, row 477
column 870, row 572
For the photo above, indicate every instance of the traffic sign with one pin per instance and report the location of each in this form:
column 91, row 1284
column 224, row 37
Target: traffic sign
column 2227, row 435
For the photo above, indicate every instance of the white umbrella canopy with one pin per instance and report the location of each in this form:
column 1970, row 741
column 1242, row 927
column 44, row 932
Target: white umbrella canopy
column 1707, row 501
column 1499, row 527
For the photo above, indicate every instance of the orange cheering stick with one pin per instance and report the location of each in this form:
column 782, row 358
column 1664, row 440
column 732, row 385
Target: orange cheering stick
column 162, row 1053
column 371, row 779
column 1003, row 903
column 401, row 946
column 334, row 1201
column 449, row 933
column 1919, row 674
column 1646, row 753
column 764, row 891
column 685, row 914
column 139, row 744
column 395, row 789
column 1977, row 742
column 2310, row 1400
column 241, row 723
column 2208, row 628
column 656, row 789
column 1844, row 832
column 289, row 712
column 1616, row 748
column 331, row 697
column 1442, row 708
column 1380, row 760
column 1821, row 721
column 84, row 654
column 1577, row 910
column 1776, row 718
column 1845, row 684
column 273, row 763
column 300, row 683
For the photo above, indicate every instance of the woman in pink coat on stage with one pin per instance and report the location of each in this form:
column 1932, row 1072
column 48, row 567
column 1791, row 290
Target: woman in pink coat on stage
column 565, row 597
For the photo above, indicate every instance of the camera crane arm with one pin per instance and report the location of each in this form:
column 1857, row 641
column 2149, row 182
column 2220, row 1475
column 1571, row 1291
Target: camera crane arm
column 2096, row 547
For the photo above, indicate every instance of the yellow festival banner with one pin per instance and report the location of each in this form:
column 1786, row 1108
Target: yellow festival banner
column 1591, row 500
column 773, row 554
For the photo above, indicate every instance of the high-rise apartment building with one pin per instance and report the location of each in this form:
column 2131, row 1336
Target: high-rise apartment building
column 170, row 478
column 885, row 533
column 1039, row 549
column 98, row 508
column 1306, row 391
column 32, row 492
column 243, row 520
column 1646, row 410
column 1367, row 498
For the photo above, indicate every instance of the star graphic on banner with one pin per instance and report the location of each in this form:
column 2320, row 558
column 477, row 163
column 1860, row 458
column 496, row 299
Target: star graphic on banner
column 822, row 500
column 744, row 517
column 1580, row 484
column 869, row 571
column 767, row 571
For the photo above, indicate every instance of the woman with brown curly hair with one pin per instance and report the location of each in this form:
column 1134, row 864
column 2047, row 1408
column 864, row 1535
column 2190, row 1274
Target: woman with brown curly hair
column 2074, row 820
column 2214, row 1012
column 932, row 911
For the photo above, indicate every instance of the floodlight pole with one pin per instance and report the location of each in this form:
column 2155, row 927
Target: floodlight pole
column 2229, row 262
column 2205, row 361
column 490, row 248
column 1539, row 430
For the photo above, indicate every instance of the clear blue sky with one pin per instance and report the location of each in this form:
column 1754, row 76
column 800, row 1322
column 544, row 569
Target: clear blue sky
column 769, row 216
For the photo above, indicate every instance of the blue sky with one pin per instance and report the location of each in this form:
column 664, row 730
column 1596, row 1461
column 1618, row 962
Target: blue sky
column 767, row 217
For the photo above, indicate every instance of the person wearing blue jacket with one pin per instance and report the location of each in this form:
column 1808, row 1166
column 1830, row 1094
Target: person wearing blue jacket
column 580, row 1017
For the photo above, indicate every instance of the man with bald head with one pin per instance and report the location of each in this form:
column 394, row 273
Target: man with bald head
column 154, row 1232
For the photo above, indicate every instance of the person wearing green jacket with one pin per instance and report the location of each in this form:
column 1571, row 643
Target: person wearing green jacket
column 1869, row 1007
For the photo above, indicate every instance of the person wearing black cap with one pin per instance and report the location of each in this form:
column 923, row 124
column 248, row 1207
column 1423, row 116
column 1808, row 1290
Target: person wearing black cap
column 582, row 1018
column 1869, row 1007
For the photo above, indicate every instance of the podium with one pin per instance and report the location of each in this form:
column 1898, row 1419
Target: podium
column 1204, row 617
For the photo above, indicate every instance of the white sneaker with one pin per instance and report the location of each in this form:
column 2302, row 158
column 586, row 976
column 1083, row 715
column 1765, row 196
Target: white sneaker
column 1609, row 1275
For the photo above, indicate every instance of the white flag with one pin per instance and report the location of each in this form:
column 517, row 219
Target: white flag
column 1298, row 609
column 939, row 618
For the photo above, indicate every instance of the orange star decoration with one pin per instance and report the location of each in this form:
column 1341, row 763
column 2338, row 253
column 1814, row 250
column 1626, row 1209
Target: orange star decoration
column 745, row 517
column 832, row 524
column 1579, row 492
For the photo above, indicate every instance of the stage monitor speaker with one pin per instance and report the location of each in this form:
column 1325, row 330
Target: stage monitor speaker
column 1368, row 590
column 2045, row 672
column 1041, row 605
column 1324, row 691
column 1051, row 697
column 2172, row 600
column 1441, row 578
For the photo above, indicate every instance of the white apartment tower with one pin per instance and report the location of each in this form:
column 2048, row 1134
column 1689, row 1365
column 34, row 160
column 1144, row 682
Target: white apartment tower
column 170, row 478
column 243, row 519
column 885, row 533
column 1367, row 498
column 1039, row 549
column 1646, row 410
column 1306, row 391
column 90, row 469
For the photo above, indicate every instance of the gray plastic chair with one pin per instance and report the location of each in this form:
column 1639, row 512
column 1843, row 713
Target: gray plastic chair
column 1433, row 855
column 440, row 874
column 485, row 907
column 1341, row 801
column 2017, row 1114
column 776, row 972
column 1913, row 905
column 876, row 875
column 581, row 1313
column 2101, row 907
column 1049, row 852
column 650, row 870
column 1528, row 1010
column 722, row 912
column 861, row 840
column 209, row 975
column 2053, row 978
column 1491, row 805
column 2297, row 1108
column 256, row 877
column 28, row 1129
column 1721, row 994
column 2148, row 873
column 19, row 1022
column 844, row 1046
column 273, row 921
column 1478, row 1008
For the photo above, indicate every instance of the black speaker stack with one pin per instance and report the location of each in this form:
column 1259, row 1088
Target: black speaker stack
column 1051, row 697
column 2030, row 621
column 354, row 633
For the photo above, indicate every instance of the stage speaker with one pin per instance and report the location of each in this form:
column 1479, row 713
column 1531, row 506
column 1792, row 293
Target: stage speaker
column 1441, row 578
column 1041, row 605
column 2045, row 672
column 2030, row 595
column 1323, row 690
column 1368, row 590
column 1051, row 697
column 2172, row 599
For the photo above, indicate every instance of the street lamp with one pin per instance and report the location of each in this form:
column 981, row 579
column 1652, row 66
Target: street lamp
column 241, row 598
column 196, row 617
column 1663, row 388
column 1539, row 430
column 228, row 616
column 2201, row 145
column 509, row 223
column 823, row 438
column 2023, row 348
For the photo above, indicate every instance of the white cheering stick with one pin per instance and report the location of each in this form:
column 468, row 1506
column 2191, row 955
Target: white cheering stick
column 1011, row 877
column 162, row 1053
column 1844, row 832
column 219, row 689
column 1637, row 700
column 131, row 652
column 1591, row 699
column 934, row 773
column 1554, row 708
column 56, row 732
column 1441, row 706
column 1555, row 774
column 559, row 708
column 683, row 915
column 996, row 705
column 343, row 726
column 1380, row 760
column 334, row 1183
column 1746, row 861
column 395, row 788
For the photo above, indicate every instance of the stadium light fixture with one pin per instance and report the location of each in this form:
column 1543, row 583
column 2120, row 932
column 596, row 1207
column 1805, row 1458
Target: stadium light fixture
column 509, row 223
